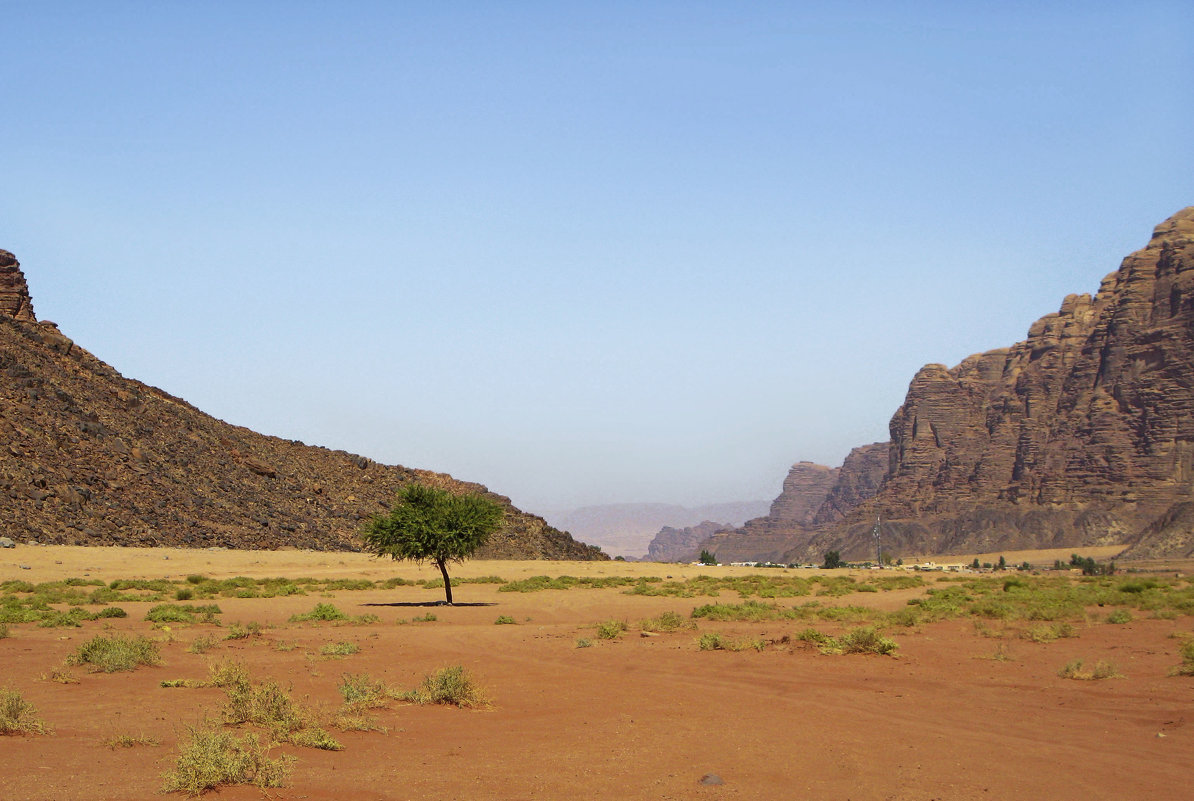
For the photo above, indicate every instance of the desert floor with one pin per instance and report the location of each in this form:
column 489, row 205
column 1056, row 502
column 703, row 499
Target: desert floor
column 640, row 717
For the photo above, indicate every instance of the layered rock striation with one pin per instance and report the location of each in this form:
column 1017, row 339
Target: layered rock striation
column 1082, row 434
column 14, row 292
column 89, row 457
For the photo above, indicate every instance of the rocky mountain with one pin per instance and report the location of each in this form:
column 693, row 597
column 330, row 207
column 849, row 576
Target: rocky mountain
column 90, row 457
column 682, row 544
column 627, row 529
column 1082, row 434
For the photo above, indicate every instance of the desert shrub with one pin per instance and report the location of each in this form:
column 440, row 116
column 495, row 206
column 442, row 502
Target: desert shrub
column 18, row 716
column 1120, row 616
column 907, row 617
column 201, row 645
column 391, row 583
column 867, row 588
column 1186, row 668
column 450, row 685
column 712, row 641
column 427, row 618
column 216, row 757
column 610, row 629
column 1101, row 670
column 362, row 691
column 130, row 740
column 583, row 643
column 3, row 630
column 227, row 673
column 1049, row 632
column 196, row 578
column 111, row 612
column 72, row 617
column 668, row 621
column 184, row 594
column 504, row 620
column 321, row 611
column 243, row 631
column 156, row 586
column 59, row 675
column 110, row 654
column 179, row 613
column 747, row 610
column 866, row 640
column 482, row 580
column 266, row 704
column 815, row 637
column 335, row 650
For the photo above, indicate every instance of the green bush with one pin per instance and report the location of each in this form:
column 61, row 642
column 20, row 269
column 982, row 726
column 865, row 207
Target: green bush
column 321, row 611
column 180, row 613
column 362, row 691
column 336, row 650
column 1120, row 616
column 504, row 620
column 110, row 654
column 450, row 685
column 866, row 640
column 1101, row 670
column 610, row 629
column 668, row 621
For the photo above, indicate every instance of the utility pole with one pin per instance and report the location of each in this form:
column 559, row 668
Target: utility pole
column 875, row 532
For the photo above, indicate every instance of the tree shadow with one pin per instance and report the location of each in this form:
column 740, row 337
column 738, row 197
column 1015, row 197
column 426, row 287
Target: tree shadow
column 433, row 603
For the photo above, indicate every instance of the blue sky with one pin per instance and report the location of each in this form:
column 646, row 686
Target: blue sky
column 581, row 253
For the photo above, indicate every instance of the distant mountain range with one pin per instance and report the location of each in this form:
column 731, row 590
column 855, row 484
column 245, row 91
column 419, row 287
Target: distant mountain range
column 626, row 529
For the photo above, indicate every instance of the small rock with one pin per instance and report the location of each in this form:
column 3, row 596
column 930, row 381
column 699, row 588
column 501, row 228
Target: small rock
column 711, row 778
column 25, row 567
column 5, row 542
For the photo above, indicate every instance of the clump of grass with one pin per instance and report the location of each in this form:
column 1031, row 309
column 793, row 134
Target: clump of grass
column 1186, row 668
column 3, row 630
column 427, row 618
column 335, row 650
column 1101, row 670
column 450, row 685
column 1048, row 632
column 60, row 675
column 1120, row 616
column 266, row 704
column 583, row 643
column 163, row 614
column 109, row 654
column 504, row 620
column 611, row 629
column 815, row 637
column 285, row 646
column 111, row 612
column 18, row 716
column 130, row 740
column 866, row 640
column 668, row 621
column 321, row 611
column 243, row 631
column 216, row 757
column 712, row 641
column 362, row 691
column 227, row 673
column 201, row 645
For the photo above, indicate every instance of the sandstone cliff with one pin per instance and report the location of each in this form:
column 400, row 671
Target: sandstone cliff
column 681, row 544
column 89, row 457
column 1082, row 434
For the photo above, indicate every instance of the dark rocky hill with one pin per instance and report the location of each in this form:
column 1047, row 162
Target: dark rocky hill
column 1082, row 434
column 89, row 457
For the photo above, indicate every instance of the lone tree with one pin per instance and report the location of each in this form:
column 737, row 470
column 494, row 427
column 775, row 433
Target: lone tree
column 833, row 560
column 429, row 524
column 707, row 558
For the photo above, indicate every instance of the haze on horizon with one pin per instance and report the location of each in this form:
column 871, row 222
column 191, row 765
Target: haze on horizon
column 624, row 253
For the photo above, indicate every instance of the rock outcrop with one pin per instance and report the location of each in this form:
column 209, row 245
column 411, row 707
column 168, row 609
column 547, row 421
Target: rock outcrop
column 14, row 292
column 1082, row 434
column 89, row 457
column 682, row 544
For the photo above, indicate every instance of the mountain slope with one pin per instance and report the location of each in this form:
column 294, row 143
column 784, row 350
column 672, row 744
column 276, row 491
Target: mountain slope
column 92, row 457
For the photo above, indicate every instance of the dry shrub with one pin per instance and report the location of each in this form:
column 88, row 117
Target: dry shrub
column 115, row 653
column 450, row 685
column 216, row 757
column 18, row 716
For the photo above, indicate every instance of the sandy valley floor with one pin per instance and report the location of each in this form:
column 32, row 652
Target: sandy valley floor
column 641, row 717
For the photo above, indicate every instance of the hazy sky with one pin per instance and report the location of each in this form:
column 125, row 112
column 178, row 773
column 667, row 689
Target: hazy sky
column 581, row 253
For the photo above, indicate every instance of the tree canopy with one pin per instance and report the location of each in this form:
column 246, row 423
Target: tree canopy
column 427, row 524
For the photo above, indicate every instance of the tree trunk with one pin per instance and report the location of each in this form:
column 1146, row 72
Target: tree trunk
column 443, row 568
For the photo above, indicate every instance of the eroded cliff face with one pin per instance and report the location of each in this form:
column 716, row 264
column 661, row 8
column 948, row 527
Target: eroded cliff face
column 14, row 293
column 89, row 457
column 1081, row 434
